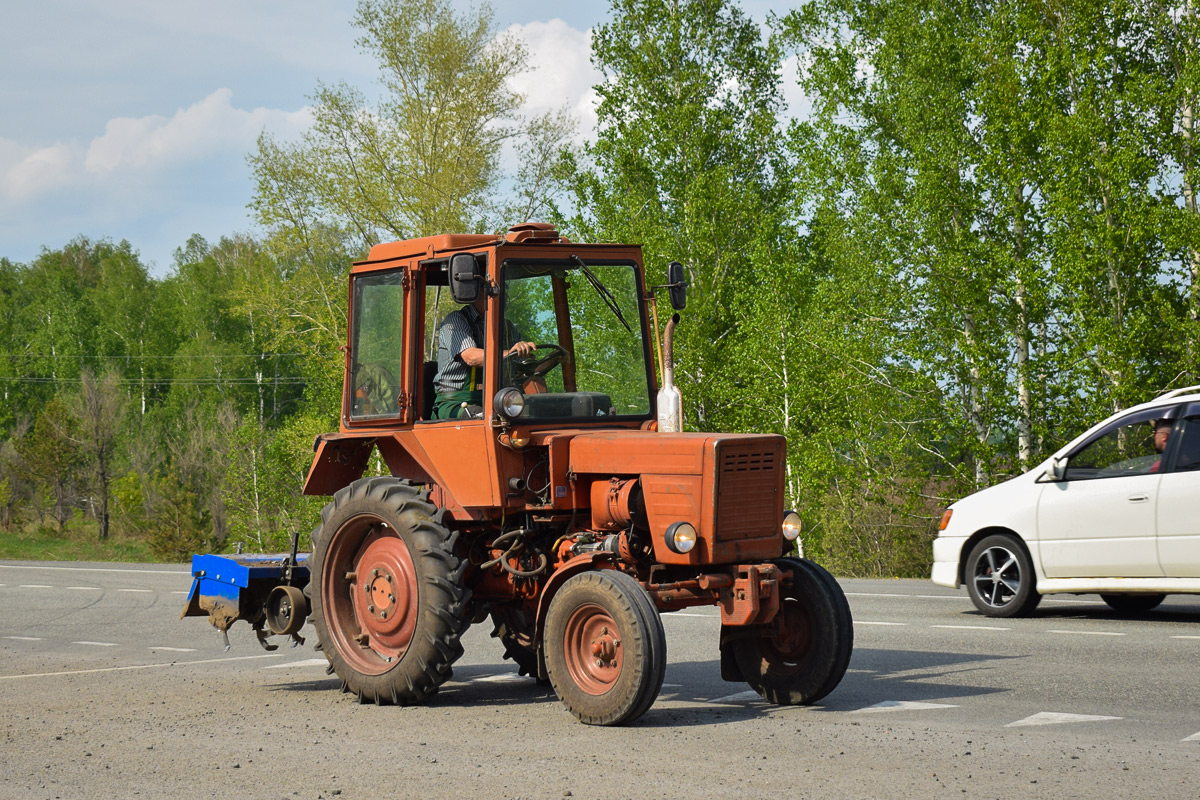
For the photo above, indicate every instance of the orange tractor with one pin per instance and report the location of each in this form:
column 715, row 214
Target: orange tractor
column 536, row 475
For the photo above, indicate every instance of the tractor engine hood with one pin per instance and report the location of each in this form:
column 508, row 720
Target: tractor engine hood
column 728, row 486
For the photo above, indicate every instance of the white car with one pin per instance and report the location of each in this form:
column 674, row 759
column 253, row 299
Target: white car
column 1115, row 512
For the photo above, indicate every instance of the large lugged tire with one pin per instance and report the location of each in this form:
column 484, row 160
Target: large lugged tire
column 807, row 653
column 605, row 649
column 515, row 631
column 389, row 604
column 1000, row 578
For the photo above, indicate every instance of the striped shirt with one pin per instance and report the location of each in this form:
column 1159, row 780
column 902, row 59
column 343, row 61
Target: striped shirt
column 459, row 331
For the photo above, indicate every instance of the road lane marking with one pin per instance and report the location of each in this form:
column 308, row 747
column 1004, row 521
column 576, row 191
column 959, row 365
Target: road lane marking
column 902, row 705
column 971, row 627
column 1056, row 718
column 963, row 597
column 1195, row 737
column 894, row 624
column 136, row 666
column 308, row 662
column 737, row 698
column 173, row 649
column 143, row 591
column 504, row 677
column 101, row 569
column 98, row 644
column 1089, row 633
column 86, row 588
column 686, row 614
column 34, row 586
column 1185, row 637
column 25, row 638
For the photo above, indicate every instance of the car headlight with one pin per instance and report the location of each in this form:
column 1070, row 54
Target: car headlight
column 681, row 537
column 509, row 401
column 791, row 525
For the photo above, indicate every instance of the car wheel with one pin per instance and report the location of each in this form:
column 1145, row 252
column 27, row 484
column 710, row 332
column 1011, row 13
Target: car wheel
column 1133, row 603
column 1000, row 577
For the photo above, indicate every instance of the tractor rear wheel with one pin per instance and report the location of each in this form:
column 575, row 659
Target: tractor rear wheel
column 606, row 652
column 389, row 604
column 807, row 650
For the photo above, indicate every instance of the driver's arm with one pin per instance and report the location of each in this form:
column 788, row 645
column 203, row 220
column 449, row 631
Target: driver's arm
column 473, row 356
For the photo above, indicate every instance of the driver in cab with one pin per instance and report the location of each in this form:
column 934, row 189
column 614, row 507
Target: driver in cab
column 460, row 358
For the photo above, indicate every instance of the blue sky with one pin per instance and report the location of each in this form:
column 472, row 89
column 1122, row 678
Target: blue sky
column 131, row 119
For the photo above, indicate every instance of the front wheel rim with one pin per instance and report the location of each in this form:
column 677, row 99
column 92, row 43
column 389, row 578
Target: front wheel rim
column 997, row 577
column 592, row 649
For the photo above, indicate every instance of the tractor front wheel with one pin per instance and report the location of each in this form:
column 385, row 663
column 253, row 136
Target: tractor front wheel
column 805, row 651
column 606, row 652
column 389, row 606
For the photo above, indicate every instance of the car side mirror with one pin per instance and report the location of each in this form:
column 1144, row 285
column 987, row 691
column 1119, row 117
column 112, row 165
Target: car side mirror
column 676, row 286
column 465, row 280
column 1058, row 469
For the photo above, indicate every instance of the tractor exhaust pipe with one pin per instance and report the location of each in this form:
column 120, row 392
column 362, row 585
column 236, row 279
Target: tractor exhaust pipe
column 670, row 410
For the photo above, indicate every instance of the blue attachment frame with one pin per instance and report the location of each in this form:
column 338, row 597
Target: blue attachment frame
column 222, row 583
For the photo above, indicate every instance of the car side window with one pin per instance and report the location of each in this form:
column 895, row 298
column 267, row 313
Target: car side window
column 1134, row 445
column 1188, row 456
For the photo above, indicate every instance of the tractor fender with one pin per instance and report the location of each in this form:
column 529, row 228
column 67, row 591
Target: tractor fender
column 581, row 563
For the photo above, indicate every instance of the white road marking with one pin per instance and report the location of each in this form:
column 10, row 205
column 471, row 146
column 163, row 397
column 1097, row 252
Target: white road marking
column 34, row 586
column 737, row 698
column 1089, row 633
column 143, row 591
column 173, row 649
column 136, row 666
column 100, row 569
column 25, row 638
column 308, row 662
column 180, row 592
column 686, row 614
column 894, row 624
column 1056, row 718
column 503, row 677
column 98, row 644
column 672, row 685
column 1045, row 599
column 902, row 705
column 971, row 627
column 1185, row 637
column 1195, row 737
column 86, row 588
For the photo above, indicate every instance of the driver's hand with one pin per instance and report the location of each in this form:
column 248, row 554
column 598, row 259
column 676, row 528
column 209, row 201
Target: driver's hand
column 520, row 349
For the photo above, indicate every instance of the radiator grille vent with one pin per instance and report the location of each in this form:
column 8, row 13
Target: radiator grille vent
column 747, row 492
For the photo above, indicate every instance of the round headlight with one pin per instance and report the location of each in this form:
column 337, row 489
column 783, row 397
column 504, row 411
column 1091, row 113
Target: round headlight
column 681, row 537
column 791, row 525
column 509, row 402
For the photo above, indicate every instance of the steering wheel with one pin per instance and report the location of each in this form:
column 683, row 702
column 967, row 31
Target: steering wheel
column 524, row 368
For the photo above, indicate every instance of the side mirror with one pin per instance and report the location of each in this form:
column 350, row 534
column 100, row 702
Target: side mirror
column 1058, row 469
column 465, row 280
column 676, row 286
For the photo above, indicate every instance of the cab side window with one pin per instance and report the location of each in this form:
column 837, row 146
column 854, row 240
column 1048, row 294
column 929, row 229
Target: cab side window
column 1128, row 447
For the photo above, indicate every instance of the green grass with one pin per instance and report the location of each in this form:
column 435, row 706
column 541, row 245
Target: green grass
column 79, row 542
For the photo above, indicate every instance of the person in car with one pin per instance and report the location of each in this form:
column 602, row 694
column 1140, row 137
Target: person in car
column 1162, row 434
column 459, row 378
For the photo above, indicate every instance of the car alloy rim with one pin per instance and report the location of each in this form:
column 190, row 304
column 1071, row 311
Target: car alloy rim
column 997, row 576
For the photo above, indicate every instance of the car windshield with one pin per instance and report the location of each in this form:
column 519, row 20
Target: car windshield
column 586, row 320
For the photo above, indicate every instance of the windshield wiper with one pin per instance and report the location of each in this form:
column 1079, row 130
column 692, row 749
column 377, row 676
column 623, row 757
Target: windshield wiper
column 602, row 290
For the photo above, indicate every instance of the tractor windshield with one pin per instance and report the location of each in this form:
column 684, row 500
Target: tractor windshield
column 585, row 319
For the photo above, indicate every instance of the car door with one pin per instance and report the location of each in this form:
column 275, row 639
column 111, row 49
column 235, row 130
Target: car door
column 1100, row 520
column 1179, row 502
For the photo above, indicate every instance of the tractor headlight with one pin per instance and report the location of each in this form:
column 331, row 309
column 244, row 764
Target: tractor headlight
column 791, row 525
column 681, row 537
column 509, row 401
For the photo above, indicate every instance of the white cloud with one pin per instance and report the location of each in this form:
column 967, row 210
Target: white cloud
column 561, row 72
column 27, row 172
column 200, row 131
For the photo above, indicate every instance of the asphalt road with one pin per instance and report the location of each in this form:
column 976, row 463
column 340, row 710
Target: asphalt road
column 106, row 693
